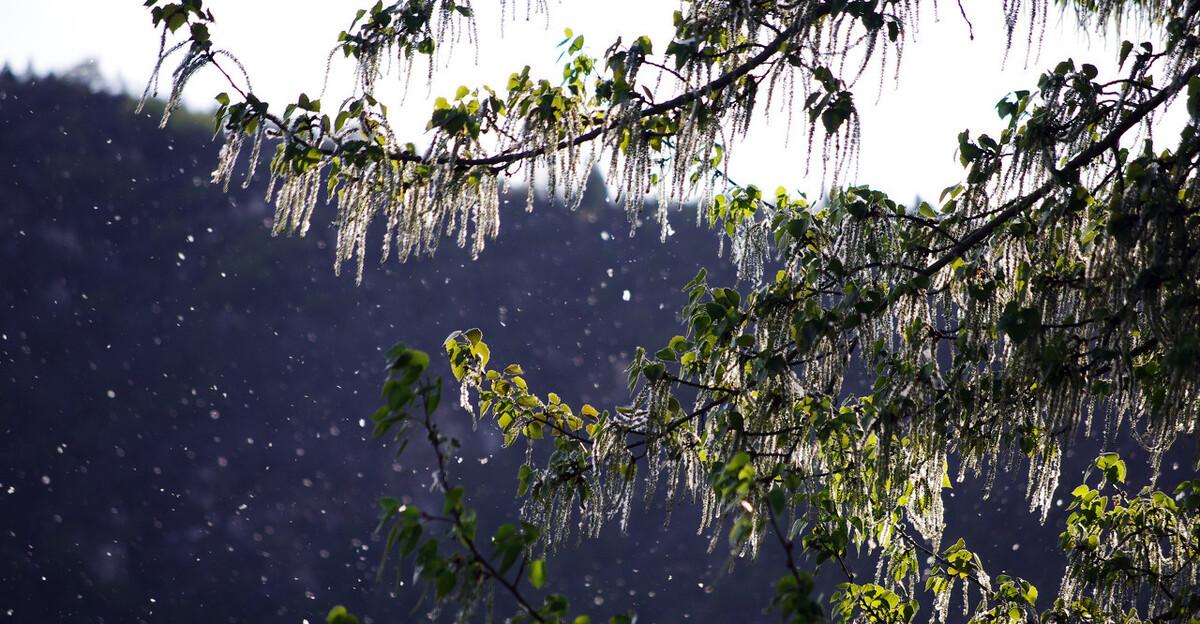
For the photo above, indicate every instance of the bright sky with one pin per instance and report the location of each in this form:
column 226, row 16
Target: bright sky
column 949, row 82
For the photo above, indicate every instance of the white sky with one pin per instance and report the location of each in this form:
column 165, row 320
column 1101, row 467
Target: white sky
column 949, row 83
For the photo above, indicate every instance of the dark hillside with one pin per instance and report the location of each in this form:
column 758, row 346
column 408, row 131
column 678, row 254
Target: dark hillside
column 181, row 393
column 181, row 396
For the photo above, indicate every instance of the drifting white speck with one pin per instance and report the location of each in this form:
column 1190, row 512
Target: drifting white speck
column 625, row 295
column 45, row 480
column 111, row 394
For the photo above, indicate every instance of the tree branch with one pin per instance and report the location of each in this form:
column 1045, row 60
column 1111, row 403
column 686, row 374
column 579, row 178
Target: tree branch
column 1019, row 205
column 435, row 441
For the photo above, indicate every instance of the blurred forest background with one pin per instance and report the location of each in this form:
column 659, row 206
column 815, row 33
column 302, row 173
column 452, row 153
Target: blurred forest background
column 182, row 397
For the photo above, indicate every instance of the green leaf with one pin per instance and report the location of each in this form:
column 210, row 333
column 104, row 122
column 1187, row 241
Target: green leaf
column 537, row 573
column 1193, row 97
column 777, row 500
column 1019, row 323
column 1112, row 466
column 176, row 20
column 524, row 473
column 445, row 583
column 200, row 33
column 1126, row 48
column 1030, row 594
column 339, row 615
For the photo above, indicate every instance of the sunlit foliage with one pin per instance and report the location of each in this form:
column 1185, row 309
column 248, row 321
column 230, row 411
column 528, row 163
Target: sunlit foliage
column 1053, row 292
